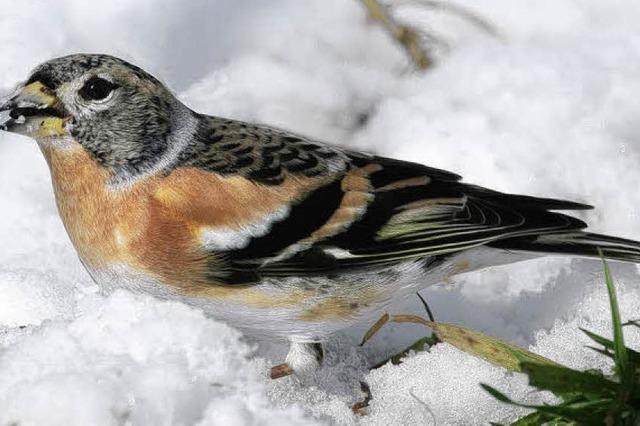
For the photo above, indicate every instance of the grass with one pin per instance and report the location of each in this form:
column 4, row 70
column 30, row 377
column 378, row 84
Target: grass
column 418, row 43
column 587, row 397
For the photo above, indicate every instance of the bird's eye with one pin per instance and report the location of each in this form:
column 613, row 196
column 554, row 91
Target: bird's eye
column 96, row 89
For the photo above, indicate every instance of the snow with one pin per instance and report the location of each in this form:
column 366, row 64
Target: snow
column 549, row 108
column 134, row 359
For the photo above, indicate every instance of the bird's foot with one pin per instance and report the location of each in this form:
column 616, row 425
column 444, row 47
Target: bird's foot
column 302, row 359
column 280, row 370
column 360, row 407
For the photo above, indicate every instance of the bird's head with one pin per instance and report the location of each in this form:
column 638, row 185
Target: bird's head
column 120, row 114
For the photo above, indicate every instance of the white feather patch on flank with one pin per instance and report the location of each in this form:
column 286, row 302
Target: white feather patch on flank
column 237, row 238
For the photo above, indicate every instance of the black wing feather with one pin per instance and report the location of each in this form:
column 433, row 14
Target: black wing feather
column 440, row 217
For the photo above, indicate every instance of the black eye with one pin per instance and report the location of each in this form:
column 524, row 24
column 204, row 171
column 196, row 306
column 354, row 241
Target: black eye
column 96, row 88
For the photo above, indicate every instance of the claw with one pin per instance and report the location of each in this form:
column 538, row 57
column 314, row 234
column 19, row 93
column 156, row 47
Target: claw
column 280, row 370
column 303, row 358
column 360, row 407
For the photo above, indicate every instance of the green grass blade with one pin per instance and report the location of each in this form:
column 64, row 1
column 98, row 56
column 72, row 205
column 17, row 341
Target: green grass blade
column 621, row 356
column 498, row 395
column 534, row 419
column 589, row 412
column 487, row 347
column 562, row 381
column 634, row 356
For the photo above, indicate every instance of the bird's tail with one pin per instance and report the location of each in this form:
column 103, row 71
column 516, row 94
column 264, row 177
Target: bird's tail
column 582, row 244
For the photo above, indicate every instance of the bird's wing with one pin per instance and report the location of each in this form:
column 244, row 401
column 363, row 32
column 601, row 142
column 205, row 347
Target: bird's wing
column 259, row 153
column 304, row 208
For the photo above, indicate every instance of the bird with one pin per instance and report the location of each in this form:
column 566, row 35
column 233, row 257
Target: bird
column 279, row 234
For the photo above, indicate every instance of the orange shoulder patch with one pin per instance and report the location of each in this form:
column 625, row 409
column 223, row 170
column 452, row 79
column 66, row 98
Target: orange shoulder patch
column 210, row 200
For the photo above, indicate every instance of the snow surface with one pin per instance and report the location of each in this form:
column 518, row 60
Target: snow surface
column 550, row 108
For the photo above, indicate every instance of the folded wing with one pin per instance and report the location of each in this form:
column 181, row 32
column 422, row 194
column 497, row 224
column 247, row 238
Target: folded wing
column 298, row 207
column 381, row 212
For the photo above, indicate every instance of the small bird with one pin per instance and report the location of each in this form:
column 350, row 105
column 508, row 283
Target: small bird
column 273, row 232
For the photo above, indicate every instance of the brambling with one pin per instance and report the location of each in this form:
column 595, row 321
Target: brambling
column 271, row 231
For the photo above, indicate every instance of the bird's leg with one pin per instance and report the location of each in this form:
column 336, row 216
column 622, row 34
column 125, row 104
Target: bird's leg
column 303, row 358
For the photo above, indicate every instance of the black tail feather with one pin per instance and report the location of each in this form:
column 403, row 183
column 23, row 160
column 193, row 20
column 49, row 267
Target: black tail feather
column 575, row 244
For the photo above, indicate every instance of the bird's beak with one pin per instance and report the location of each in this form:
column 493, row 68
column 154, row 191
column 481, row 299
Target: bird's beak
column 34, row 111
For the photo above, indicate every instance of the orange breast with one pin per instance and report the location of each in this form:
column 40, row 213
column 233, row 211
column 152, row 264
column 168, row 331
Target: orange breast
column 128, row 226
column 86, row 209
column 154, row 225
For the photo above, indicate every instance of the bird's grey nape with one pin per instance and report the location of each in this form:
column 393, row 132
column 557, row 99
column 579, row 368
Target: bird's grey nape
column 159, row 156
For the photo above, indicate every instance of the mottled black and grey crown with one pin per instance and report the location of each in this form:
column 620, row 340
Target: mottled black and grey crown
column 58, row 71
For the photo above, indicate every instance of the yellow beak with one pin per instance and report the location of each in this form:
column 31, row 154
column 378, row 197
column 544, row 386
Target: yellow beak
column 34, row 111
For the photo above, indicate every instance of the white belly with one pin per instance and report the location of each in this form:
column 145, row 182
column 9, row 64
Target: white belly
column 333, row 304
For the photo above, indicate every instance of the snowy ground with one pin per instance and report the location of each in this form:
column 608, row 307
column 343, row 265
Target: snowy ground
column 552, row 108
